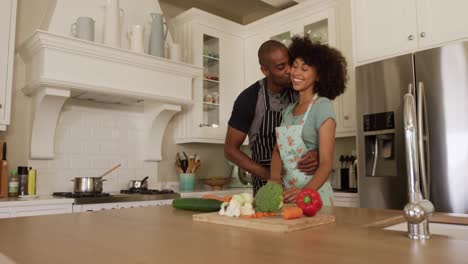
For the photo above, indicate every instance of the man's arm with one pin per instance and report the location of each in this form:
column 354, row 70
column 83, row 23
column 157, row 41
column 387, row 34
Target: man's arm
column 232, row 144
column 309, row 163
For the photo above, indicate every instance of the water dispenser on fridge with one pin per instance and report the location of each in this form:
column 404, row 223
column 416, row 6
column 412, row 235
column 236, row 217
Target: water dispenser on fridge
column 379, row 141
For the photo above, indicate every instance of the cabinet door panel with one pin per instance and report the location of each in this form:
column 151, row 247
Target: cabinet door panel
column 442, row 21
column 383, row 28
column 349, row 105
column 207, row 117
column 42, row 210
column 231, row 75
column 337, row 107
column 252, row 67
column 321, row 27
column 5, row 213
column 7, row 30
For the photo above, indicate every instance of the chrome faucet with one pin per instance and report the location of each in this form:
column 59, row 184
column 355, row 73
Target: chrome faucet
column 418, row 209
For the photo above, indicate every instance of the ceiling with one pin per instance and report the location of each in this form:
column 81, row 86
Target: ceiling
column 240, row 11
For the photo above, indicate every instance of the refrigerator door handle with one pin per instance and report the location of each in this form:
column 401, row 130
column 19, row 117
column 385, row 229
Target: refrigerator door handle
column 376, row 155
column 423, row 140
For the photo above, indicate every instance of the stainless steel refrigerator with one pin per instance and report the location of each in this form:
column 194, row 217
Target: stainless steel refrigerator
column 439, row 79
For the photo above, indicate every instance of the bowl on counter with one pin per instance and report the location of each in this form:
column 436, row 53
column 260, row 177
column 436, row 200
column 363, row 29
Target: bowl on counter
column 216, row 183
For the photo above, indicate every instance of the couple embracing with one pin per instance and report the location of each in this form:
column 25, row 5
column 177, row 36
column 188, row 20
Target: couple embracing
column 289, row 118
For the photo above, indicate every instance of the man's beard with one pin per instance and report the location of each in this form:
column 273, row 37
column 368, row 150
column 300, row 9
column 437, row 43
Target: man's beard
column 281, row 83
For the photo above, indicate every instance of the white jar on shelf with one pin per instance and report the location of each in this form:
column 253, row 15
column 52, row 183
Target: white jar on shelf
column 215, row 98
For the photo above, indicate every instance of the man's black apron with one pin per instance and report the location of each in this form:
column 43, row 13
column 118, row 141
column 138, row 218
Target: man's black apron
column 266, row 139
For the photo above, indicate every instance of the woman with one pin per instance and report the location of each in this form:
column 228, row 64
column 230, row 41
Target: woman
column 318, row 74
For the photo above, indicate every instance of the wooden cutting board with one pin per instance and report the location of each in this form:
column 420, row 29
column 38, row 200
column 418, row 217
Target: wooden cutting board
column 272, row 223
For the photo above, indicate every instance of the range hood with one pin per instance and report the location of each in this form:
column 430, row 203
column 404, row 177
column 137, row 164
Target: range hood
column 60, row 67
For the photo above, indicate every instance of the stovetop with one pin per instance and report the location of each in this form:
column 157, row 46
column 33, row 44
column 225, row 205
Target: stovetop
column 124, row 196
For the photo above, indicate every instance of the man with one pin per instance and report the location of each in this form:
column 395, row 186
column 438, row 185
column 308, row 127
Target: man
column 257, row 112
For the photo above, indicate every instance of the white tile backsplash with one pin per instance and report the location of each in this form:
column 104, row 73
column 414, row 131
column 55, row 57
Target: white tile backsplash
column 59, row 163
column 80, row 163
column 108, row 147
column 81, row 132
column 68, row 146
column 90, row 140
column 102, row 133
column 90, row 147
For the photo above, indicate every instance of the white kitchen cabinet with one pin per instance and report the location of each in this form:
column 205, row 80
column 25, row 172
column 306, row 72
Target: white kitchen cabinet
column 228, row 52
column 34, row 207
column 345, row 199
column 5, row 212
column 321, row 23
column 210, row 42
column 7, row 46
column 389, row 28
column 318, row 22
column 383, row 28
column 441, row 21
column 47, row 209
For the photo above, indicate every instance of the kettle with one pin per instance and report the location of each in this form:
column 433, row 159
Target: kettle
column 158, row 35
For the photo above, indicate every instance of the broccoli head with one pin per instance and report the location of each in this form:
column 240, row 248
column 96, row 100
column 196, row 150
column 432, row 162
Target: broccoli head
column 269, row 198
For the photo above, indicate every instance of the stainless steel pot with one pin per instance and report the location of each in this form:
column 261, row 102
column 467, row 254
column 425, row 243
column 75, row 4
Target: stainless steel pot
column 87, row 184
column 138, row 184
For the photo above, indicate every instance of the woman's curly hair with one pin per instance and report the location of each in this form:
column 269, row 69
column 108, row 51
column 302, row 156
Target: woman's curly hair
column 329, row 63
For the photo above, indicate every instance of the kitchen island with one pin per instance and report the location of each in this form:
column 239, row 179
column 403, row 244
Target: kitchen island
column 162, row 234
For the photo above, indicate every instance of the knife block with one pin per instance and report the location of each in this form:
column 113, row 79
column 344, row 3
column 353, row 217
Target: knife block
column 3, row 178
column 344, row 176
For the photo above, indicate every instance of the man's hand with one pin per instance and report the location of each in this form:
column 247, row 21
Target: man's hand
column 309, row 162
column 290, row 195
column 232, row 151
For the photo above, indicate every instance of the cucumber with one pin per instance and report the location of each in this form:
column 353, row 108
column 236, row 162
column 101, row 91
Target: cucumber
column 197, row 204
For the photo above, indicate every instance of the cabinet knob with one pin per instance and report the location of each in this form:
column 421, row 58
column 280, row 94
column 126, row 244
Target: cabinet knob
column 410, row 37
column 346, row 117
column 423, row 34
column 1, row 106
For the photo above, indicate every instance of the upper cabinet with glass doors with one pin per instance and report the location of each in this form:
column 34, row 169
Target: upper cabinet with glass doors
column 321, row 24
column 215, row 44
column 211, row 82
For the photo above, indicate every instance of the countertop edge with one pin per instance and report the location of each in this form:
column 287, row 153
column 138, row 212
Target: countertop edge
column 41, row 200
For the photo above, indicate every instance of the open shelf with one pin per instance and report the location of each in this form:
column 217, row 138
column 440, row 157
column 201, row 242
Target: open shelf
column 211, row 57
column 210, row 106
column 210, row 84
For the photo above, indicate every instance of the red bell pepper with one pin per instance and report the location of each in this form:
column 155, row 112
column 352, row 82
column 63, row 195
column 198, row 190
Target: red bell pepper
column 309, row 201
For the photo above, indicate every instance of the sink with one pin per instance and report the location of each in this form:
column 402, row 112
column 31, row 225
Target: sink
column 450, row 230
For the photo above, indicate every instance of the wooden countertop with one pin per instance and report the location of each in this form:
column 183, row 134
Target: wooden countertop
column 165, row 235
